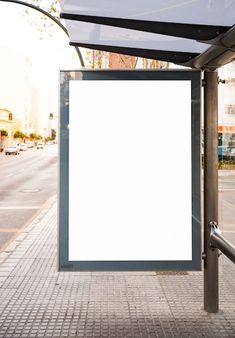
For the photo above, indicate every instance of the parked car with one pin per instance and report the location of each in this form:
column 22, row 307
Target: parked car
column 40, row 145
column 12, row 150
column 29, row 144
column 22, row 146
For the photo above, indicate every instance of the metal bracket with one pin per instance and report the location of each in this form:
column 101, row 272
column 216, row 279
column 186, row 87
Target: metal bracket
column 214, row 227
column 222, row 81
column 214, row 230
column 217, row 241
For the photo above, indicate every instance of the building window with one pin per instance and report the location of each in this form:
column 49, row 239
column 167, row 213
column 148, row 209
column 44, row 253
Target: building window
column 230, row 109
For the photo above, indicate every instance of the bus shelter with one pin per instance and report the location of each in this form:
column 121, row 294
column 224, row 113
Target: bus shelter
column 196, row 34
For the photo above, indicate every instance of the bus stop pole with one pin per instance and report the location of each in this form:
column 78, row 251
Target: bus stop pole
column 211, row 282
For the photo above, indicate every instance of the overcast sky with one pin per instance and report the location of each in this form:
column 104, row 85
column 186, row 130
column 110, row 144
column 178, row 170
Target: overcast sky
column 20, row 31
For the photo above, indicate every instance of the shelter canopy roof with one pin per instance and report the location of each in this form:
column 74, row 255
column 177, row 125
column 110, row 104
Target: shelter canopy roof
column 194, row 33
column 201, row 12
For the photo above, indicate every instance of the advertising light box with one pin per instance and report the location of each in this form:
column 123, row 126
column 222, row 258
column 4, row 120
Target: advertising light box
column 129, row 170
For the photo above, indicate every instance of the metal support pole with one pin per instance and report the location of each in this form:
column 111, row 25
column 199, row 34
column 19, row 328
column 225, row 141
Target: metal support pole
column 211, row 280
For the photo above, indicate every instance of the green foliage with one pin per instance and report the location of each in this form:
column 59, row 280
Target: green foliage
column 33, row 136
column 227, row 164
column 53, row 134
column 45, row 26
column 19, row 134
column 3, row 132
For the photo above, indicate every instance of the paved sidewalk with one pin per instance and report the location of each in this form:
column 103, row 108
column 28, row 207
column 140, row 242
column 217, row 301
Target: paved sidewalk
column 37, row 301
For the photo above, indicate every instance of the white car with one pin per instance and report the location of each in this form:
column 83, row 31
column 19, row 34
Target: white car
column 22, row 146
column 29, row 144
column 40, row 145
column 12, row 150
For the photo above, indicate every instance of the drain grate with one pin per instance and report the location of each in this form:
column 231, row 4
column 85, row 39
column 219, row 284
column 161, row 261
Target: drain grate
column 171, row 273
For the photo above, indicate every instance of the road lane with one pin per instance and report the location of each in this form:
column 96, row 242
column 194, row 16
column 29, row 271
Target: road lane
column 27, row 181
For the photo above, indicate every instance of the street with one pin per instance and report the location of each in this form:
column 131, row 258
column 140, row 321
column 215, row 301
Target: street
column 27, row 181
column 227, row 200
column 227, row 206
column 30, row 179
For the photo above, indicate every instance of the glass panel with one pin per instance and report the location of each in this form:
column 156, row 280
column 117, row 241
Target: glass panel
column 226, row 153
column 215, row 12
column 106, row 35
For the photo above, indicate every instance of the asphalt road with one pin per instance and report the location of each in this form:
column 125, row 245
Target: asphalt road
column 27, row 181
column 227, row 200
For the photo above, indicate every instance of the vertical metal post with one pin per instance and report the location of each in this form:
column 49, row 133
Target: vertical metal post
column 211, row 282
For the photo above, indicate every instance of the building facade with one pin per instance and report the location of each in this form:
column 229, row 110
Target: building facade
column 15, row 86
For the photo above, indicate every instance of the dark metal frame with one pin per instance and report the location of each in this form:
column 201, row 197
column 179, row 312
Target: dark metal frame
column 160, row 55
column 182, row 30
column 64, row 263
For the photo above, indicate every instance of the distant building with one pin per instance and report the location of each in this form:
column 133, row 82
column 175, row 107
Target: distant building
column 226, row 123
column 34, row 115
column 41, row 109
column 117, row 61
column 96, row 59
column 6, row 127
column 15, row 85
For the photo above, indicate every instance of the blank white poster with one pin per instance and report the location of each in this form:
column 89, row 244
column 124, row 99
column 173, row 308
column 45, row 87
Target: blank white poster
column 130, row 195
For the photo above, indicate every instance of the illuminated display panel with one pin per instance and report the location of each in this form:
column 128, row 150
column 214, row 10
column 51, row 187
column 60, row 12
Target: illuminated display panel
column 130, row 170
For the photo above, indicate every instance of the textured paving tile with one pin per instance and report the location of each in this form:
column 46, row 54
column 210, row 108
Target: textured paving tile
column 38, row 301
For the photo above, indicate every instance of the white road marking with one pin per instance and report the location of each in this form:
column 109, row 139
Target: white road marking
column 228, row 231
column 12, row 230
column 19, row 208
column 228, row 204
column 12, row 174
column 9, row 175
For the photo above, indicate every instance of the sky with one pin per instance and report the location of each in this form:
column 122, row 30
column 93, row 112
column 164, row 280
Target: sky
column 47, row 47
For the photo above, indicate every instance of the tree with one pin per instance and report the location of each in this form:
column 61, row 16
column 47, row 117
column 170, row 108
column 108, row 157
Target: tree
column 33, row 136
column 19, row 134
column 3, row 132
column 53, row 134
column 45, row 28
column 48, row 138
